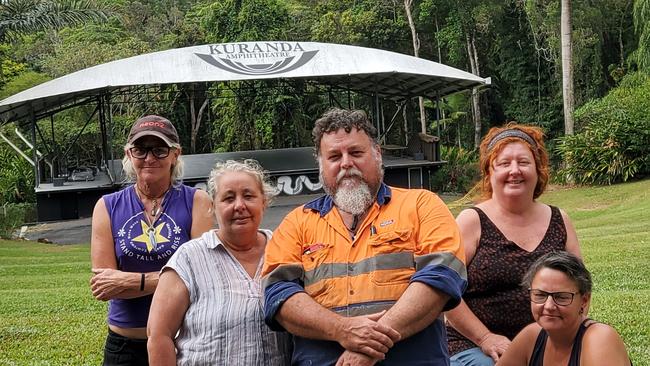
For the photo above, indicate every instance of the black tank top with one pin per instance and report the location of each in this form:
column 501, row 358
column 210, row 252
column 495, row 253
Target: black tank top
column 537, row 359
column 494, row 291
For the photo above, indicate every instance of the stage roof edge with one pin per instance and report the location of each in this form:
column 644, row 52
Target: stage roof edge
column 384, row 73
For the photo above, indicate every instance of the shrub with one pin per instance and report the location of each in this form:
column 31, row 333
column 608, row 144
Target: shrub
column 12, row 215
column 16, row 177
column 614, row 144
column 459, row 174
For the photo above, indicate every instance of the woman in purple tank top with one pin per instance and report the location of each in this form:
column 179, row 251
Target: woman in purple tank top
column 559, row 287
column 136, row 230
column 502, row 236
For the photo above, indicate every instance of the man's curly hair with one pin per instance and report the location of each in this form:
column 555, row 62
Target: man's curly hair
column 337, row 118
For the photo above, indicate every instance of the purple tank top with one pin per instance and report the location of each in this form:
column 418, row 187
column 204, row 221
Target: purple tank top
column 137, row 250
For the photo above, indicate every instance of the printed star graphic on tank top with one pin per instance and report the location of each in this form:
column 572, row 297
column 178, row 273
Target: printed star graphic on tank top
column 137, row 238
column 151, row 236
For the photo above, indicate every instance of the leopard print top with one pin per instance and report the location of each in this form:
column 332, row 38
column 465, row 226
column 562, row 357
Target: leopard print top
column 494, row 291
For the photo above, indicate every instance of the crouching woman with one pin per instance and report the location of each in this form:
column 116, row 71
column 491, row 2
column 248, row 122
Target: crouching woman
column 559, row 286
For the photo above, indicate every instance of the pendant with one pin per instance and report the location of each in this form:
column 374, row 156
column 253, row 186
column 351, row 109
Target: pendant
column 152, row 237
column 154, row 208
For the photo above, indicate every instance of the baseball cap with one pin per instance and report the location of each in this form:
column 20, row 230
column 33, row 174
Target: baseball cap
column 153, row 125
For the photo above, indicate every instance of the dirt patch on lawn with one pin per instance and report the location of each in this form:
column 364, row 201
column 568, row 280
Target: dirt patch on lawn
column 593, row 207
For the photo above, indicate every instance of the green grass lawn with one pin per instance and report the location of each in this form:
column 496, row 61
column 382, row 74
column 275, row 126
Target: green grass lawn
column 613, row 225
column 48, row 316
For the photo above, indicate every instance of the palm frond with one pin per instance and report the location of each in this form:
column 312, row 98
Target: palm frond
column 20, row 17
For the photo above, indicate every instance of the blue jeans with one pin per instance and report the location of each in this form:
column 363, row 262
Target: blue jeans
column 471, row 357
column 122, row 351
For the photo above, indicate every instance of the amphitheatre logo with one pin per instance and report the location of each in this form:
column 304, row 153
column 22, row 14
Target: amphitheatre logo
column 258, row 58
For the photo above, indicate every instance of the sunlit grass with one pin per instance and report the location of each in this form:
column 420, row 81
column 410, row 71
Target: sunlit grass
column 47, row 313
column 613, row 225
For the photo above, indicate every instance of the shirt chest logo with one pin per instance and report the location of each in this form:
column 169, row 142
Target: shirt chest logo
column 313, row 248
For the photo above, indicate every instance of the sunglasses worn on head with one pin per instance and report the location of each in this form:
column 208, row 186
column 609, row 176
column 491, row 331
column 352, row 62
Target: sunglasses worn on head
column 159, row 152
column 560, row 298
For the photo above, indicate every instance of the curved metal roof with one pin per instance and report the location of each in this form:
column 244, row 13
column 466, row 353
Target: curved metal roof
column 389, row 74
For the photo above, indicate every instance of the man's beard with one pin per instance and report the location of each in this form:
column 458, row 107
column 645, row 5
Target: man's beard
column 353, row 198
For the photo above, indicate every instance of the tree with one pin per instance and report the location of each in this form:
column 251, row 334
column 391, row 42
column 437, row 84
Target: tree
column 642, row 26
column 377, row 24
column 233, row 21
column 195, row 95
column 408, row 4
column 79, row 48
column 22, row 81
column 475, row 19
column 567, row 66
column 598, row 38
column 525, row 88
column 465, row 36
column 20, row 17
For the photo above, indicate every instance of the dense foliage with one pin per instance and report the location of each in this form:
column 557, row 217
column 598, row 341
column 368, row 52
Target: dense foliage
column 19, row 17
column 16, row 177
column 16, row 190
column 460, row 173
column 12, row 215
column 642, row 27
column 614, row 144
column 516, row 42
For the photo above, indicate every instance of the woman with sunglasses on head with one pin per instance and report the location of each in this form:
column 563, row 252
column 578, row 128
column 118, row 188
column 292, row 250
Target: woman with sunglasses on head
column 502, row 236
column 136, row 230
column 559, row 289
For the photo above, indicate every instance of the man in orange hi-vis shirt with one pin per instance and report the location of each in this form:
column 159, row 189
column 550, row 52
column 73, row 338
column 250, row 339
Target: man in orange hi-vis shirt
column 362, row 275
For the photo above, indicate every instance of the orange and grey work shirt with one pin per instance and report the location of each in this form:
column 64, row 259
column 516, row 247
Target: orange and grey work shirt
column 408, row 235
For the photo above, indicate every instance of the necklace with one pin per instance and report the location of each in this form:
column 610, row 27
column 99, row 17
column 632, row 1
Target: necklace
column 355, row 222
column 155, row 207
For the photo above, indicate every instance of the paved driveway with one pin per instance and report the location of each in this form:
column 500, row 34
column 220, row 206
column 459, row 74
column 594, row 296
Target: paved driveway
column 78, row 231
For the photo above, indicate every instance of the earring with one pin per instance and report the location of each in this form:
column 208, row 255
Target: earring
column 582, row 310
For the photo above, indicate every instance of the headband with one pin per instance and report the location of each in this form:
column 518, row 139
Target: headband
column 513, row 132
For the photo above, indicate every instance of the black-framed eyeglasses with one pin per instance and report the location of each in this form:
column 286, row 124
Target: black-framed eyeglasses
column 560, row 298
column 159, row 152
